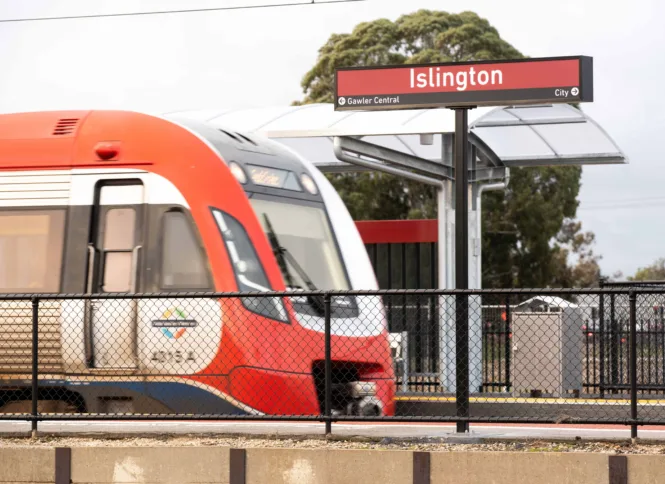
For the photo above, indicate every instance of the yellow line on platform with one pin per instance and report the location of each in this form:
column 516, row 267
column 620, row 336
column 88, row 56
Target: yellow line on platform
column 542, row 401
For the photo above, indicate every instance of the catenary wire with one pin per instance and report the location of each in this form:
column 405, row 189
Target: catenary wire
column 163, row 12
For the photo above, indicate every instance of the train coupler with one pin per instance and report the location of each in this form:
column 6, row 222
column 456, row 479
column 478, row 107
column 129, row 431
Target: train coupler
column 357, row 398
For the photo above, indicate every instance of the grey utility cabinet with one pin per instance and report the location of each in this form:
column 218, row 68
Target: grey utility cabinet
column 547, row 348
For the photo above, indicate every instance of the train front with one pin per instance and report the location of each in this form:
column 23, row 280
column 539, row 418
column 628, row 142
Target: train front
column 310, row 250
column 315, row 250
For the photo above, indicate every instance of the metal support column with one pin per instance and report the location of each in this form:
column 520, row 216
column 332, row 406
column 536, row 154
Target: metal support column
column 462, row 265
column 445, row 308
column 475, row 363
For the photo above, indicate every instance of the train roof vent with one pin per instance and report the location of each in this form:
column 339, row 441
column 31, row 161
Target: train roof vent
column 240, row 138
column 245, row 143
column 230, row 135
column 65, row 126
column 246, row 139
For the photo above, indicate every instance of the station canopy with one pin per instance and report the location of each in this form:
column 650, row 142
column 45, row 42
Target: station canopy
column 551, row 134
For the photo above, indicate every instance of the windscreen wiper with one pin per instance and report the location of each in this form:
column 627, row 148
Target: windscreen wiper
column 279, row 252
column 282, row 253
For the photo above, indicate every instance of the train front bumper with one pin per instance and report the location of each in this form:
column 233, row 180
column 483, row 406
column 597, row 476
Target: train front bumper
column 297, row 394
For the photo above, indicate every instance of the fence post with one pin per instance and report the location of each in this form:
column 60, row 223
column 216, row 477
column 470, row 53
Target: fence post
column 35, row 363
column 405, row 360
column 507, row 343
column 633, row 364
column 462, row 361
column 615, row 341
column 659, row 325
column 328, row 366
column 601, row 330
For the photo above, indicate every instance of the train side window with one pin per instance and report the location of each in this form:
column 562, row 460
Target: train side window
column 120, row 228
column 119, row 233
column 182, row 262
column 31, row 247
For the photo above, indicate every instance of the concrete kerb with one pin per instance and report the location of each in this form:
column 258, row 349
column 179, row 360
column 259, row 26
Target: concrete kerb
column 228, row 465
column 437, row 459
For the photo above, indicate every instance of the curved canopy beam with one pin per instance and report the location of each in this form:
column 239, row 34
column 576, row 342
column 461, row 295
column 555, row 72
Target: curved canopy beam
column 544, row 135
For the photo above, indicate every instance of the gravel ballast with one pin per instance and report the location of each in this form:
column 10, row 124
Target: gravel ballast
column 342, row 443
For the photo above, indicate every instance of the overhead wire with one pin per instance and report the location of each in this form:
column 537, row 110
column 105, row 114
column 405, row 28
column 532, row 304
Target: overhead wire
column 582, row 208
column 626, row 200
column 619, row 204
column 164, row 12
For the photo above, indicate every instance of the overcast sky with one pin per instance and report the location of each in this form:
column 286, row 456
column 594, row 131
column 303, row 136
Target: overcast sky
column 248, row 58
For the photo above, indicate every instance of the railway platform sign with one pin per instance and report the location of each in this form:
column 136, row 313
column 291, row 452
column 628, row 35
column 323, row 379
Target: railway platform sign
column 462, row 86
column 487, row 83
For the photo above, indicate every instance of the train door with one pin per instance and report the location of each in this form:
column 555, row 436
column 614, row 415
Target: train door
column 114, row 251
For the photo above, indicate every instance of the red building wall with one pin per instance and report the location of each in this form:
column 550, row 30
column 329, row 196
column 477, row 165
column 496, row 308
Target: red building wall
column 398, row 231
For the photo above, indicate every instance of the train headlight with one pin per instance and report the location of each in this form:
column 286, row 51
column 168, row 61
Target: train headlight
column 238, row 172
column 309, row 184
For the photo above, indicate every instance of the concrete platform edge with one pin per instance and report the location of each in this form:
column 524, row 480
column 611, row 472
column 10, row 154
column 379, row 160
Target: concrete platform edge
column 225, row 465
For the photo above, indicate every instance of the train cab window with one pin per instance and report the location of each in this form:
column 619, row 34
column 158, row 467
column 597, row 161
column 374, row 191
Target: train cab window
column 31, row 244
column 305, row 231
column 182, row 262
column 247, row 268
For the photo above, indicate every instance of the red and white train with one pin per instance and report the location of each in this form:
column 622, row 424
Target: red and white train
column 128, row 203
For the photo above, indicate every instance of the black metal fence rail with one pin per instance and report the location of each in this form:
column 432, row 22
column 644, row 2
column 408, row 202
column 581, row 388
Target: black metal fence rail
column 533, row 355
column 605, row 348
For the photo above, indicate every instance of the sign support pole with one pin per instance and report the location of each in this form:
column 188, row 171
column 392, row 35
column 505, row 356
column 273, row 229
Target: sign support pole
column 462, row 265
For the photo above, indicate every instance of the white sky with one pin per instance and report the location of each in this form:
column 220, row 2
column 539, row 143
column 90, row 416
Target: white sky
column 249, row 58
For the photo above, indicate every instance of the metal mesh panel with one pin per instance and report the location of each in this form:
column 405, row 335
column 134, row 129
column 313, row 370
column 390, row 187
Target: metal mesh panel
column 595, row 356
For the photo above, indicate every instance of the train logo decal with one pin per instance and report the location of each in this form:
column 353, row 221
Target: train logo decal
column 174, row 328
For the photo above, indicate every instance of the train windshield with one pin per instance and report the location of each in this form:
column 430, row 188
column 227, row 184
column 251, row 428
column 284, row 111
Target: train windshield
column 305, row 234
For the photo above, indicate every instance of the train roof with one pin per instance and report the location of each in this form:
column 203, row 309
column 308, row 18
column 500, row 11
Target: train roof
column 48, row 138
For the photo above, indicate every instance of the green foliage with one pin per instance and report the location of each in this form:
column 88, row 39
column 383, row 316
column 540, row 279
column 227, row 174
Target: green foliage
column 423, row 36
column 653, row 272
column 528, row 233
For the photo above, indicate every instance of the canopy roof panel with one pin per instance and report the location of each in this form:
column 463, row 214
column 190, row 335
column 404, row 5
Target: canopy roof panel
column 509, row 136
column 321, row 120
column 550, row 134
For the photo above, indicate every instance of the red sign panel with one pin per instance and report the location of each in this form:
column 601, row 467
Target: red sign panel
column 492, row 83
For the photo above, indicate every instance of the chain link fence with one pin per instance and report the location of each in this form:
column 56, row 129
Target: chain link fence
column 559, row 356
